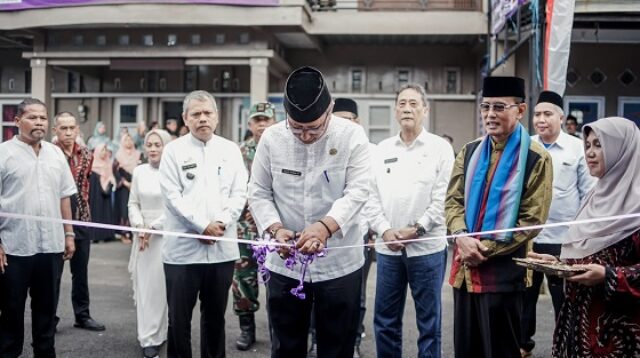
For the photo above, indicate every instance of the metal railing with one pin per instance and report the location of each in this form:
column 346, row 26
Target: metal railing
column 395, row 5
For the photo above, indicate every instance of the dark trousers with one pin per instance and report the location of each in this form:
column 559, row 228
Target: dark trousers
column 336, row 306
column 79, row 265
column 486, row 325
column 556, row 289
column 369, row 254
column 185, row 283
column 38, row 276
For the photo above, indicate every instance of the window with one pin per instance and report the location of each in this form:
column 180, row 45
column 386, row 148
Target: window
column 123, row 40
column 629, row 107
column 452, row 78
column 78, row 40
column 196, row 39
column 220, row 39
column 244, row 38
column 147, row 40
column 380, row 119
column 101, row 40
column 357, row 80
column 8, row 110
column 172, row 40
column 402, row 77
column 586, row 109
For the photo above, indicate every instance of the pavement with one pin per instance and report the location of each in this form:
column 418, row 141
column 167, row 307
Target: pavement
column 112, row 304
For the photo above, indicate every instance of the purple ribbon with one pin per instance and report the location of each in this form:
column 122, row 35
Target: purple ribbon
column 264, row 246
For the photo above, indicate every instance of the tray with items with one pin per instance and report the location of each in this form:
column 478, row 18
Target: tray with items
column 556, row 268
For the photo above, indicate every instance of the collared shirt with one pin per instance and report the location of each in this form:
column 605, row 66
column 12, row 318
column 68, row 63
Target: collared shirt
column 33, row 184
column 499, row 273
column 80, row 162
column 410, row 184
column 297, row 184
column 201, row 183
column 247, row 228
column 571, row 183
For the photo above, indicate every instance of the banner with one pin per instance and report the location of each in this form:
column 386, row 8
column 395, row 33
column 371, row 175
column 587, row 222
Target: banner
column 12, row 5
column 557, row 44
column 501, row 11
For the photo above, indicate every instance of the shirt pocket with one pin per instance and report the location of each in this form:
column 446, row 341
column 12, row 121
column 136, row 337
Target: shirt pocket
column 333, row 183
column 564, row 175
column 425, row 175
column 50, row 176
column 287, row 184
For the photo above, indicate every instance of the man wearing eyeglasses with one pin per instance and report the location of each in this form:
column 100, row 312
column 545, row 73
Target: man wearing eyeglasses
column 245, row 274
column 309, row 181
column 501, row 181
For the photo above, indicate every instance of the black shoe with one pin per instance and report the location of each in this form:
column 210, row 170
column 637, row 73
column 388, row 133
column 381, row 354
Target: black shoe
column 151, row 352
column 247, row 332
column 89, row 324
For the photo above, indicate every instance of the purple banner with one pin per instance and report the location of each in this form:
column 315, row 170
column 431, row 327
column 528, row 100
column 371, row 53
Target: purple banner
column 501, row 11
column 11, row 5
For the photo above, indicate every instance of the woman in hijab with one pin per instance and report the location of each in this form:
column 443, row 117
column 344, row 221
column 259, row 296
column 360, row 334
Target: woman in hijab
column 127, row 158
column 101, row 186
column 601, row 313
column 99, row 136
column 145, row 263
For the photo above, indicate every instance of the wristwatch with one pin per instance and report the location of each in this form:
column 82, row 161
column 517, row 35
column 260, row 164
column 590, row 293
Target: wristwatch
column 458, row 232
column 420, row 231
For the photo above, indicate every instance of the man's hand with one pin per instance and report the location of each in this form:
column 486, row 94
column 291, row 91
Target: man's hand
column 408, row 233
column 470, row 251
column 313, row 239
column 3, row 259
column 390, row 236
column 595, row 275
column 69, row 247
column 215, row 229
column 283, row 236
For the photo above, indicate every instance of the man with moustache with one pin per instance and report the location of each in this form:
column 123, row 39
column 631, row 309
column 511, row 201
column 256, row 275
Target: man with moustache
column 245, row 274
column 500, row 181
column 309, row 181
column 571, row 183
column 411, row 173
column 203, row 182
column 80, row 160
column 34, row 180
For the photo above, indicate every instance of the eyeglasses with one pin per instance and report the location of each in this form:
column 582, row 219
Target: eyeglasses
column 497, row 107
column 312, row 131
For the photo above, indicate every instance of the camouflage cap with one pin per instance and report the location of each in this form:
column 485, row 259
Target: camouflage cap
column 263, row 109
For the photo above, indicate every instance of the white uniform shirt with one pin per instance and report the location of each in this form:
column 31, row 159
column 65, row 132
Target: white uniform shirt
column 33, row 185
column 297, row 184
column 410, row 185
column 201, row 183
column 571, row 183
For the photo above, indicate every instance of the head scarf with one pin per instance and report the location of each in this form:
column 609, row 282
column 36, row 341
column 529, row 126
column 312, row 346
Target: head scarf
column 616, row 193
column 128, row 158
column 97, row 138
column 103, row 166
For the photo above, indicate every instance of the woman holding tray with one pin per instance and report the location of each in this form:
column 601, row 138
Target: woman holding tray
column 600, row 316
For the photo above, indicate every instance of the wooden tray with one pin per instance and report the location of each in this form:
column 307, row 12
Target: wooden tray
column 550, row 268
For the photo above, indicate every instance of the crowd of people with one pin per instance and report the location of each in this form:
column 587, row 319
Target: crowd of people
column 315, row 186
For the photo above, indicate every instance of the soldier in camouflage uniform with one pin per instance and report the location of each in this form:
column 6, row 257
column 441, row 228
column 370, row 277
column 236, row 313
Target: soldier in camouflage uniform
column 245, row 278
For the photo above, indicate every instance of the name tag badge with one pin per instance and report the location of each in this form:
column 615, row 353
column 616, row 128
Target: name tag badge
column 291, row 172
column 390, row 160
column 189, row 166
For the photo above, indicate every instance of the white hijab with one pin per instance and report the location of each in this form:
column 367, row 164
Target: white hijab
column 616, row 193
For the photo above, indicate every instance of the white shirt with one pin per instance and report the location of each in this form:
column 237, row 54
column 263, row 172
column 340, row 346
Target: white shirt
column 410, row 185
column 146, row 207
column 297, row 184
column 33, row 184
column 201, row 183
column 571, row 183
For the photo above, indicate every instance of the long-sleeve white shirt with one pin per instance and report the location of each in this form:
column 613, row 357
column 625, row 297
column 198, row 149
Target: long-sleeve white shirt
column 201, row 183
column 297, row 184
column 33, row 184
column 410, row 185
column 571, row 183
